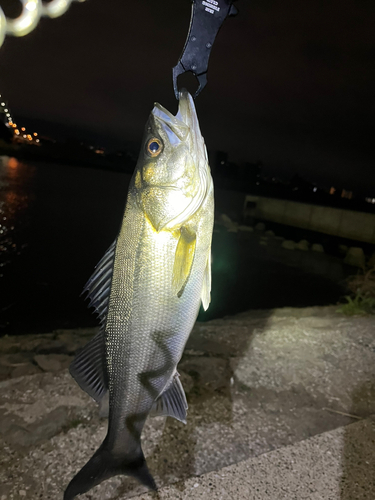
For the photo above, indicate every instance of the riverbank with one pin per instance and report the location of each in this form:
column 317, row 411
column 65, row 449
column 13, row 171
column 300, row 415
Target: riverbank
column 71, row 155
column 58, row 222
column 255, row 382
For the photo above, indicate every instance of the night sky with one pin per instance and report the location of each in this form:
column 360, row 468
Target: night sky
column 289, row 83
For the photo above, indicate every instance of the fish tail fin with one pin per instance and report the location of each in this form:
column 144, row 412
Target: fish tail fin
column 104, row 465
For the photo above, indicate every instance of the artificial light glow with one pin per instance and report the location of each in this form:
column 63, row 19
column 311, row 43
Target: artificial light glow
column 17, row 131
column 5, row 110
column 3, row 103
column 37, row 140
column 8, row 114
column 35, row 134
column 30, row 6
column 24, row 136
column 23, row 129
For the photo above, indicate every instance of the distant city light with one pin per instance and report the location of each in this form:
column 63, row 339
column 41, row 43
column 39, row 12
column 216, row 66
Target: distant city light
column 17, row 131
column 3, row 103
column 370, row 200
column 332, row 190
column 5, row 110
column 35, row 134
column 24, row 136
column 23, row 129
column 8, row 114
column 346, row 194
column 37, row 140
column 315, row 189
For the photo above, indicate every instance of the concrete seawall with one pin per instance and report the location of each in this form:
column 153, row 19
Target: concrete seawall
column 358, row 226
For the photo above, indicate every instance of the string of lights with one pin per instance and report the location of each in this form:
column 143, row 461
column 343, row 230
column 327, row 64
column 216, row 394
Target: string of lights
column 19, row 133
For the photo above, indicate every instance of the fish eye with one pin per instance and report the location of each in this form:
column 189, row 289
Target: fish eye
column 154, row 147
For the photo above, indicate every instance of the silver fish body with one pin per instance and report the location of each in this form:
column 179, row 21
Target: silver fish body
column 147, row 291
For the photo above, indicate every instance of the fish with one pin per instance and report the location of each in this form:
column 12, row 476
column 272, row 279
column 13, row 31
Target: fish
column 147, row 291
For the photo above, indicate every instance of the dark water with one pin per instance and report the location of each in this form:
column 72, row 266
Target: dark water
column 57, row 222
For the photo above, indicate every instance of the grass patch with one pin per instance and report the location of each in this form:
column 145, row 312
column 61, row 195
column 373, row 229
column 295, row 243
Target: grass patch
column 362, row 299
column 359, row 305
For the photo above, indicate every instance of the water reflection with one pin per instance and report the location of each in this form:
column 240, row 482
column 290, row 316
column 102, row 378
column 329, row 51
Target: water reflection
column 15, row 199
column 12, row 164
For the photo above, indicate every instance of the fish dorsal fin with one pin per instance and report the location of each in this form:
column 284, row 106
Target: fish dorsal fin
column 183, row 260
column 98, row 286
column 172, row 402
column 206, row 287
column 88, row 368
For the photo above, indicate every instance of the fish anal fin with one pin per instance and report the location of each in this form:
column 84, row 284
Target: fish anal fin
column 88, row 368
column 183, row 261
column 206, row 286
column 172, row 402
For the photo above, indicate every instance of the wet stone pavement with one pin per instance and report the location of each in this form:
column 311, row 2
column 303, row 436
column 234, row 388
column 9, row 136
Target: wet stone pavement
column 256, row 383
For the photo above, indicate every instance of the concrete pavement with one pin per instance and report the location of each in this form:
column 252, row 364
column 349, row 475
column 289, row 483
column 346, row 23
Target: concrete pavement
column 272, row 400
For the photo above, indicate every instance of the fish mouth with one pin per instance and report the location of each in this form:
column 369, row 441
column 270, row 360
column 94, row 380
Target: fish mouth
column 177, row 127
column 187, row 112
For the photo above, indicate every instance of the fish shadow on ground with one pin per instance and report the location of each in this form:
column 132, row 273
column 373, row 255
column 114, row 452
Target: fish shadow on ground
column 358, row 454
column 206, row 370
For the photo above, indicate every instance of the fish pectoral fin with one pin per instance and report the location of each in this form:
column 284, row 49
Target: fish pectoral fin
column 183, row 260
column 172, row 402
column 88, row 368
column 206, row 287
